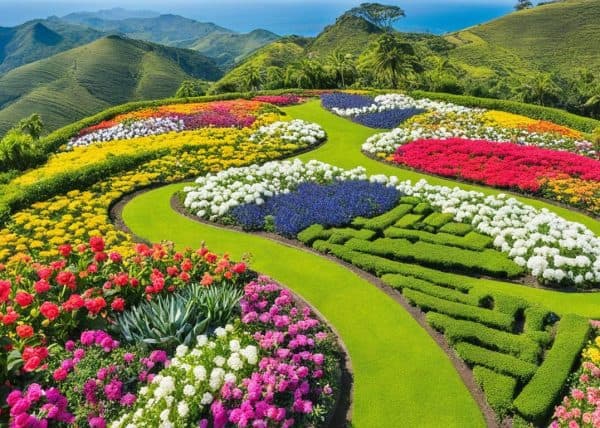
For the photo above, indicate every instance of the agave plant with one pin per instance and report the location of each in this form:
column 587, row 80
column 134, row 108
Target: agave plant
column 169, row 321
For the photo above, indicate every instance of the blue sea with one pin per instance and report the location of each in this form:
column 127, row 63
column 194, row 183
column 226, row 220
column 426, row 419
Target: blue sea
column 306, row 18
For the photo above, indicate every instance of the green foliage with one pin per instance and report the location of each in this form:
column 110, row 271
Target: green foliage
column 536, row 400
column 190, row 88
column 32, row 125
column 402, row 282
column 168, row 321
column 18, row 151
column 408, row 220
column 536, row 112
column 472, row 241
column 460, row 229
column 382, row 16
column 499, row 389
column 387, row 219
column 523, row 4
column 500, row 363
column 438, row 219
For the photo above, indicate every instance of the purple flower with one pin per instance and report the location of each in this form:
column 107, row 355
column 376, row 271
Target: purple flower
column 128, row 399
column 97, row 422
column 113, row 390
column 128, row 357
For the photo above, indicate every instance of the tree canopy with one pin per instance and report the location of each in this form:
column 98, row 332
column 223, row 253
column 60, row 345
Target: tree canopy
column 380, row 15
column 523, row 4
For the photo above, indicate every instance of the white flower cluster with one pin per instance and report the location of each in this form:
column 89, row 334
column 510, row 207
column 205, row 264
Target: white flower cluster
column 553, row 249
column 192, row 380
column 296, row 132
column 129, row 130
column 401, row 102
column 215, row 194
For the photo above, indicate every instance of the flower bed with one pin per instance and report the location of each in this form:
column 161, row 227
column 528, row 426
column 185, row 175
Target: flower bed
column 581, row 407
column 279, row 100
column 505, row 165
column 555, row 251
column 294, row 132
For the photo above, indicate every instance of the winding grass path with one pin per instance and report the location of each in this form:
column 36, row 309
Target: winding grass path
column 401, row 377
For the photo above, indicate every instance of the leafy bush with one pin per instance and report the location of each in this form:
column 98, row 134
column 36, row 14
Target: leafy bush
column 402, row 282
column 537, row 398
column 459, row 310
column 437, row 220
column 499, row 389
column 519, row 346
column 408, row 220
column 537, row 112
column 460, row 229
column 18, row 151
column 387, row 219
column 500, row 363
column 472, row 241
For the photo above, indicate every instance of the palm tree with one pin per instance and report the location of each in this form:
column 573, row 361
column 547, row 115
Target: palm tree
column 252, row 79
column 539, row 89
column 592, row 105
column 341, row 64
column 32, row 125
column 393, row 58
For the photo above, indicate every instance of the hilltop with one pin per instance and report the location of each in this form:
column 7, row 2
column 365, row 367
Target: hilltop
column 87, row 79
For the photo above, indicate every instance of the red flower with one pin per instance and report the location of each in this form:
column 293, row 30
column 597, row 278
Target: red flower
column 116, row 257
column 210, row 257
column 184, row 276
column 118, row 304
column 239, row 268
column 172, row 270
column 65, row 250
column 10, row 317
column 60, row 374
column 32, row 363
column 207, row 280
column 100, row 257
column 187, row 265
column 23, row 299
column 95, row 305
column 4, row 290
column 121, row 279
column 42, row 286
column 97, row 244
column 44, row 273
column 73, row 303
column 40, row 352
column 67, row 279
column 50, row 310
column 24, row 331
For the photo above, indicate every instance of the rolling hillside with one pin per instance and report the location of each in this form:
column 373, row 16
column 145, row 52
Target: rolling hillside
column 87, row 79
column 40, row 39
column 560, row 37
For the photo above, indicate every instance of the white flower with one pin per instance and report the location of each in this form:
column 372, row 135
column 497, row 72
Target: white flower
column 200, row 373
column 207, row 398
column 189, row 390
column 181, row 350
column 182, row 409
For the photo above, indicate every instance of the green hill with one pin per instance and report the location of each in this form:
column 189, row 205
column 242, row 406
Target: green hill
column 229, row 48
column 560, row 37
column 87, row 79
column 40, row 39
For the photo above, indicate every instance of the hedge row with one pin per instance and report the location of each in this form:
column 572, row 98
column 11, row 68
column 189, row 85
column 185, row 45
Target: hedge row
column 509, row 305
column 408, row 220
column 459, row 310
column 560, row 117
column 499, row 389
column 438, row 220
column 519, row 346
column 460, row 229
column 385, row 220
column 500, row 363
column 334, row 235
column 402, row 281
column 488, row 262
column 536, row 400
column 471, row 241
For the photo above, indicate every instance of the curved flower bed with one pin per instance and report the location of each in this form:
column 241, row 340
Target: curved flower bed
column 554, row 250
column 507, row 165
column 279, row 100
column 295, row 132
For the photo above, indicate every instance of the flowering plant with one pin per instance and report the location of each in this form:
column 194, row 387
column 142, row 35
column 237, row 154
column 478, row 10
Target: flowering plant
column 37, row 407
column 279, row 100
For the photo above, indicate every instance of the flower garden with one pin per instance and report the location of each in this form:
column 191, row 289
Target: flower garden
column 100, row 328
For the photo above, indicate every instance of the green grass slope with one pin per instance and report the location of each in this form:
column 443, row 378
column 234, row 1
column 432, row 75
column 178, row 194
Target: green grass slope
column 559, row 37
column 40, row 39
column 87, row 79
column 229, row 48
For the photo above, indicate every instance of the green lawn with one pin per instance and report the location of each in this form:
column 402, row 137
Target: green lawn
column 402, row 378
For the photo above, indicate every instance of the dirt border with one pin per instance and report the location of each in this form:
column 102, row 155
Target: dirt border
column 461, row 368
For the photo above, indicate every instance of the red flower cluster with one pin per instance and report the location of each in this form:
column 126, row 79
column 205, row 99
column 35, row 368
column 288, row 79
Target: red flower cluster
column 278, row 100
column 504, row 165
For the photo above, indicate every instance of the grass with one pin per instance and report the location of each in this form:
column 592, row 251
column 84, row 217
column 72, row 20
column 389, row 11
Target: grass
column 402, row 378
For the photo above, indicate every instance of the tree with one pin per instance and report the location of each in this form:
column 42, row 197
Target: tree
column 32, row 125
column 523, row 4
column 341, row 65
column 252, row 79
column 17, row 150
column 540, row 90
column 190, row 88
column 394, row 58
column 380, row 15
column 592, row 107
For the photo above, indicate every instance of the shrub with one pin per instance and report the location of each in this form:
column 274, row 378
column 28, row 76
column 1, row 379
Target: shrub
column 437, row 220
column 536, row 400
column 312, row 233
column 460, row 229
column 385, row 220
column 422, row 208
column 408, row 220
column 472, row 241
column 535, row 318
column 499, row 389
column 402, row 282
column 459, row 310
column 500, row 363
column 509, row 304
column 537, row 112
column 519, row 346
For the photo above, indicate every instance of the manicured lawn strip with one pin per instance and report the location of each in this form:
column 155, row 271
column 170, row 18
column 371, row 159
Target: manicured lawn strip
column 499, row 389
column 459, row 310
column 402, row 378
column 536, row 400
column 489, row 262
column 500, row 363
column 517, row 345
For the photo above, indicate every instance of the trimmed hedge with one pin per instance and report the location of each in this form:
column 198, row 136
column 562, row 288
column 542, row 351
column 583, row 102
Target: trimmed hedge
column 509, row 305
column 438, row 220
column 340, row 236
column 459, row 310
column 312, row 233
column 490, row 262
column 387, row 219
column 401, row 282
column 519, row 346
column 460, row 229
column 538, row 397
column 558, row 116
column 408, row 220
column 334, row 235
column 499, row 389
column 500, row 363
column 423, row 208
column 472, row 241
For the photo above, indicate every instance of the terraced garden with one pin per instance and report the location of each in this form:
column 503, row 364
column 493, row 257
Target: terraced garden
column 445, row 318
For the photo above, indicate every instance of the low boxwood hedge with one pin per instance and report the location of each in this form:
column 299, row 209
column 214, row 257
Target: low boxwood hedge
column 387, row 219
column 472, row 241
column 402, row 281
column 408, row 220
column 538, row 397
column 499, row 389
column 460, row 229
